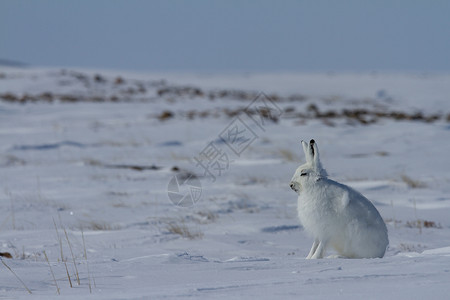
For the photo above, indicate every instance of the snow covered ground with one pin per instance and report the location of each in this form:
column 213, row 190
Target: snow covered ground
column 86, row 158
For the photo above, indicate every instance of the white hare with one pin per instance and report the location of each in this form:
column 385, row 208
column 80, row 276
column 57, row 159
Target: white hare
column 335, row 214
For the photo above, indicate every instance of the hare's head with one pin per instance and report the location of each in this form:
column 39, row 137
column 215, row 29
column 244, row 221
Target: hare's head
column 310, row 172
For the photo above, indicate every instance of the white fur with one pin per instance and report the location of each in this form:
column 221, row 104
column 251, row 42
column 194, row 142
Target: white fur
column 335, row 214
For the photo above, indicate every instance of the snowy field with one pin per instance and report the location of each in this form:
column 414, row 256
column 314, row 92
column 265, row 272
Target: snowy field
column 88, row 160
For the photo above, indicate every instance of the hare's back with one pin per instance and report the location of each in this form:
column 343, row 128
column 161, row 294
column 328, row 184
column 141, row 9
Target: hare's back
column 356, row 205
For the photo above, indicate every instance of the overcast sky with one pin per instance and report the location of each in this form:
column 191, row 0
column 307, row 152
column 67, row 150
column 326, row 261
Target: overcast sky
column 228, row 35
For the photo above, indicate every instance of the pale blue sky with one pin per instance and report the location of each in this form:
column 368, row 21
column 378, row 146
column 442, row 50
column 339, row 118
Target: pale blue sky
column 228, row 36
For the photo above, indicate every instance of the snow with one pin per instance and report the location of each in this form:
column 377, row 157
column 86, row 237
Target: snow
column 100, row 170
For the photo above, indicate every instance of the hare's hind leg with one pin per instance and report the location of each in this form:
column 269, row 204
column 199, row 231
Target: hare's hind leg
column 320, row 251
column 313, row 249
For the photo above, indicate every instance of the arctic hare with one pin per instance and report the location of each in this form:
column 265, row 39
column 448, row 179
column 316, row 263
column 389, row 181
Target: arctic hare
column 335, row 214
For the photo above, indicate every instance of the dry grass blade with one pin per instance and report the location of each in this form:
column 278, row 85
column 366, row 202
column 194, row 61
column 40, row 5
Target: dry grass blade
column 73, row 256
column 87, row 263
column 62, row 254
column 59, row 240
column 18, row 278
column 68, row 275
column 51, row 270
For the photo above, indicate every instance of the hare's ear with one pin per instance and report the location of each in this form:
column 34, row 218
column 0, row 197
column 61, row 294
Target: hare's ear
column 308, row 152
column 314, row 152
column 315, row 155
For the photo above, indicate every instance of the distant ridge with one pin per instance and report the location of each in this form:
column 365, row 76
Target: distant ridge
column 12, row 63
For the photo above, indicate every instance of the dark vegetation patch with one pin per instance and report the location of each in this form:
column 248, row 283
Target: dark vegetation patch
column 5, row 254
column 99, row 88
column 366, row 116
column 183, row 174
column 165, row 115
column 423, row 224
column 355, row 116
column 133, row 167
column 418, row 223
column 9, row 160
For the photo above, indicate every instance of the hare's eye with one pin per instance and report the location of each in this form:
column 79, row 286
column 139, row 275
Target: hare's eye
column 303, row 174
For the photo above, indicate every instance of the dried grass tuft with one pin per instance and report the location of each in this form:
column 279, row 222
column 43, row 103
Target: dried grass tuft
column 412, row 183
column 184, row 231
